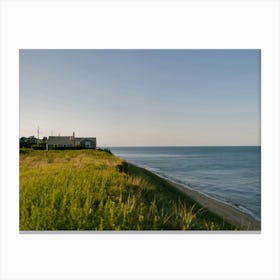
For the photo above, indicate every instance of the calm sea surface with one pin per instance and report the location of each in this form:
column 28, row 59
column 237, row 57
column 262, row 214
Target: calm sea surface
column 229, row 174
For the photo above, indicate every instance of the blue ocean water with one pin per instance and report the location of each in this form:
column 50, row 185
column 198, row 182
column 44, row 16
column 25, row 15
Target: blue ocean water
column 229, row 174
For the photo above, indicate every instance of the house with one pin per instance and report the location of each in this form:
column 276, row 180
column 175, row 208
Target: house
column 70, row 142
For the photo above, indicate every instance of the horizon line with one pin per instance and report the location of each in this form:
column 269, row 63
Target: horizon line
column 181, row 146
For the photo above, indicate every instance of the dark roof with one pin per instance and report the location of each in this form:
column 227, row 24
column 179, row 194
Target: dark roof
column 60, row 140
column 85, row 138
column 64, row 140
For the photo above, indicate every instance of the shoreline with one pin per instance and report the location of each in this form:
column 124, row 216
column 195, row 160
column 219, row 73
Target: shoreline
column 222, row 209
column 229, row 213
column 245, row 211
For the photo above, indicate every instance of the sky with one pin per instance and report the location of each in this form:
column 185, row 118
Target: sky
column 142, row 97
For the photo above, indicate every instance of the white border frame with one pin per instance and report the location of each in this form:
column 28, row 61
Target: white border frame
column 140, row 24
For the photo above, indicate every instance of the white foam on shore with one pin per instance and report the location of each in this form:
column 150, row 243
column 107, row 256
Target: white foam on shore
column 238, row 207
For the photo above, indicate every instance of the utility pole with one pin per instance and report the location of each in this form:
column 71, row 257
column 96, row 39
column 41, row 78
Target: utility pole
column 38, row 132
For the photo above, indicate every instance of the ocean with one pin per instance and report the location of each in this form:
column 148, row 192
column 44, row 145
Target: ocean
column 228, row 174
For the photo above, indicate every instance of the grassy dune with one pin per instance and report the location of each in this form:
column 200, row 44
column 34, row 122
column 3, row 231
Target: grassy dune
column 94, row 190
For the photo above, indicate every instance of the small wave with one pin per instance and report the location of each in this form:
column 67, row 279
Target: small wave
column 210, row 174
column 247, row 211
column 194, row 188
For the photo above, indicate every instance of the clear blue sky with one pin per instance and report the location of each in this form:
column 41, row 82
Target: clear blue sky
column 142, row 97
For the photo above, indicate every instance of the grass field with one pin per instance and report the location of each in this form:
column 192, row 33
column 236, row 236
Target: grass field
column 95, row 190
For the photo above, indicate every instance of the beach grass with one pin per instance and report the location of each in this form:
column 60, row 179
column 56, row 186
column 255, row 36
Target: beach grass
column 95, row 190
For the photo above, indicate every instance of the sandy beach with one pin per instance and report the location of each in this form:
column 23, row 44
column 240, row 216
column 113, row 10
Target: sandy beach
column 226, row 211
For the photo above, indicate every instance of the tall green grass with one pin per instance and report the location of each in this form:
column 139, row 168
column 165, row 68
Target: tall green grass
column 94, row 190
